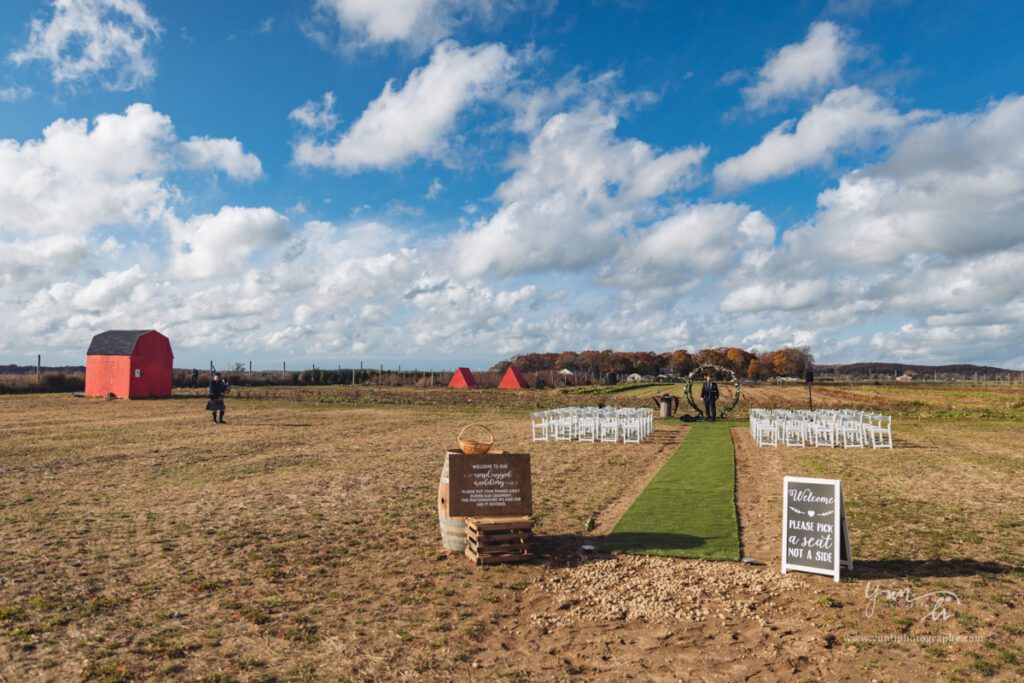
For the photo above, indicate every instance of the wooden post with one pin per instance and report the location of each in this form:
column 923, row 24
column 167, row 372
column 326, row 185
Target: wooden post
column 284, row 366
column 211, row 366
column 39, row 367
column 250, row 368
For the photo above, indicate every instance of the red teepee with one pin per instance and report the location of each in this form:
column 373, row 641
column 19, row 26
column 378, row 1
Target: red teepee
column 513, row 379
column 462, row 379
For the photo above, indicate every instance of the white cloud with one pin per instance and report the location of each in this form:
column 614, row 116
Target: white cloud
column 783, row 295
column 939, row 344
column 534, row 104
column 317, row 116
column 387, row 21
column 946, row 292
column 29, row 263
column 223, row 154
column 692, row 242
column 436, row 187
column 77, row 178
column 15, row 93
column 925, row 248
column 74, row 178
column 218, row 245
column 801, row 68
column 416, row 23
column 415, row 121
column 952, row 186
column 108, row 289
column 86, row 39
column 570, row 194
column 850, row 118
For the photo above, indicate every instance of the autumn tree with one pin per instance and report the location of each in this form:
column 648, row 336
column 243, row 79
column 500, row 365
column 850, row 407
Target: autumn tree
column 737, row 360
column 712, row 357
column 680, row 362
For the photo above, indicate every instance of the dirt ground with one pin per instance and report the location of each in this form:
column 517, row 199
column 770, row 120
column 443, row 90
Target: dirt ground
column 300, row 542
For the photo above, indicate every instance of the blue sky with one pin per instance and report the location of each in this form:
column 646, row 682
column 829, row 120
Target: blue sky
column 439, row 182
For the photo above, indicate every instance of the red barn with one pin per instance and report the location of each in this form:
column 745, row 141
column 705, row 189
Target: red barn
column 513, row 379
column 129, row 364
column 462, row 379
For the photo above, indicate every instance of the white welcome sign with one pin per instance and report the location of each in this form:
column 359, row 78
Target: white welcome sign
column 814, row 534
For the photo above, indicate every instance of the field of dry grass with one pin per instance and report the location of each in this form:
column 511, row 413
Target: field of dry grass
column 299, row 542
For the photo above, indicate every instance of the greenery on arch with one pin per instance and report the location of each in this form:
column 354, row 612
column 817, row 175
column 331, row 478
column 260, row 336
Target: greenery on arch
column 701, row 370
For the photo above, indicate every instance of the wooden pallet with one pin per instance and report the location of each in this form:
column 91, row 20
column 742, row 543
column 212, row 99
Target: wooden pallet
column 493, row 540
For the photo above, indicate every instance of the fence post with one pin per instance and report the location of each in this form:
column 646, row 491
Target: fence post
column 39, row 367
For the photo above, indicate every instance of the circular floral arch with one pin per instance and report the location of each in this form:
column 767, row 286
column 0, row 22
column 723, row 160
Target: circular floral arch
column 701, row 370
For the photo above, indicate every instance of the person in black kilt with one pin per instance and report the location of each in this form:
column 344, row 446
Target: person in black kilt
column 218, row 388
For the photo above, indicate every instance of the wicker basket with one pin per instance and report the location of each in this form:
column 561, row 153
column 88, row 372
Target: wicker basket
column 472, row 446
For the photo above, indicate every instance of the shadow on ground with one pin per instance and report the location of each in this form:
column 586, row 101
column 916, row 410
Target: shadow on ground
column 898, row 569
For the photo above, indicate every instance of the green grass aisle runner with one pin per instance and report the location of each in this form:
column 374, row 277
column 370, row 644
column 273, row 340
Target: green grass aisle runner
column 689, row 508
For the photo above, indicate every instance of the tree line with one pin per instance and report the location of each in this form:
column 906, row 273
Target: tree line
column 785, row 362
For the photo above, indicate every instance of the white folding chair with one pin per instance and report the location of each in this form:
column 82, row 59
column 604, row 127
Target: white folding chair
column 564, row 426
column 793, row 433
column 631, row 429
column 539, row 424
column 853, row 433
column 824, row 432
column 767, row 434
column 609, row 428
column 586, row 427
column 881, row 432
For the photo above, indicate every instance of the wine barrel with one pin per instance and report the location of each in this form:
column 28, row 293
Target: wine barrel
column 453, row 529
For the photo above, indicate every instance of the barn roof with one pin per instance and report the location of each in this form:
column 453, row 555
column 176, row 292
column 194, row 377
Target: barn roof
column 115, row 342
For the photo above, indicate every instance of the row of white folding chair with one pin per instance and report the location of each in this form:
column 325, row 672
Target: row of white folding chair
column 797, row 428
column 592, row 424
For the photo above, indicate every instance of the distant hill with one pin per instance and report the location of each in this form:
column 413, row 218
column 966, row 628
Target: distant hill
column 869, row 369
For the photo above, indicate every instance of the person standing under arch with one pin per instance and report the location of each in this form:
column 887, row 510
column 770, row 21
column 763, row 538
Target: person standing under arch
column 709, row 394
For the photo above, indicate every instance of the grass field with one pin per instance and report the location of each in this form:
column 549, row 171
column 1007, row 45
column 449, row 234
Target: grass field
column 688, row 509
column 299, row 542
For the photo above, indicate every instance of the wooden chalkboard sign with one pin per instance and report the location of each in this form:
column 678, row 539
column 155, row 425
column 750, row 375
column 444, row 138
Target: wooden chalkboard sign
column 814, row 534
column 490, row 485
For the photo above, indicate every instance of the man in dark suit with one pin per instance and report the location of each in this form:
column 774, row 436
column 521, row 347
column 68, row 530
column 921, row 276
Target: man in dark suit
column 709, row 393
